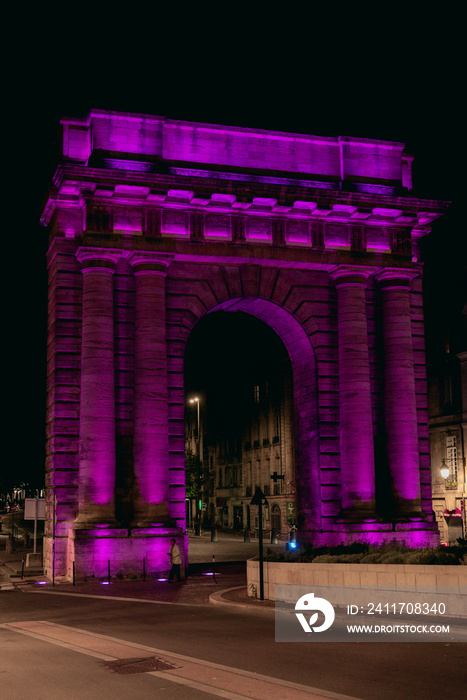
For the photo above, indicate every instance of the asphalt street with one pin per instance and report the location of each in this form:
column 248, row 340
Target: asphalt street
column 59, row 657
column 201, row 639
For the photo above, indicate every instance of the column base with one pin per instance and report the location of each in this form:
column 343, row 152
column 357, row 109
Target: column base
column 361, row 513
column 411, row 517
column 412, row 534
column 94, row 517
column 409, row 511
column 152, row 516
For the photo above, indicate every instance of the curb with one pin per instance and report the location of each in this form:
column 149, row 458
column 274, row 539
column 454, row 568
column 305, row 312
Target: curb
column 7, row 586
column 217, row 598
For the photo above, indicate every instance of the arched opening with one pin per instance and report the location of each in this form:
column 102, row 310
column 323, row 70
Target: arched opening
column 250, row 365
column 276, row 522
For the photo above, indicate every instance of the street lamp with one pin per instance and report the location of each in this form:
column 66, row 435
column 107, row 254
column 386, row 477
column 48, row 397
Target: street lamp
column 198, row 454
column 444, row 469
column 196, row 400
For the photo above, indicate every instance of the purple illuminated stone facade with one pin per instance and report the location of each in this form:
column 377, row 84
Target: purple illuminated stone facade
column 155, row 223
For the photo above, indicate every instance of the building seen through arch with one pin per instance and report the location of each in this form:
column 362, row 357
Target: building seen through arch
column 156, row 224
column 246, row 422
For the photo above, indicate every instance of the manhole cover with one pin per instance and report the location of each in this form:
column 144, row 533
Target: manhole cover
column 139, row 665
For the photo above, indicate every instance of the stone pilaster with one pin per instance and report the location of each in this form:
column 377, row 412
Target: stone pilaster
column 356, row 424
column 150, row 420
column 97, row 393
column 399, row 391
column 238, row 226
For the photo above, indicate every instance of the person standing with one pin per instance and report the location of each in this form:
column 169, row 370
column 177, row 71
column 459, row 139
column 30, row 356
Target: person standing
column 175, row 560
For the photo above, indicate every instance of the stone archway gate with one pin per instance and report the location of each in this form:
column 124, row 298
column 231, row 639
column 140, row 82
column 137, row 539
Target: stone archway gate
column 154, row 223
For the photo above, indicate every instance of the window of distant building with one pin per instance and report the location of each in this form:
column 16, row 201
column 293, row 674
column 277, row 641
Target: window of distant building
column 451, row 459
column 256, row 393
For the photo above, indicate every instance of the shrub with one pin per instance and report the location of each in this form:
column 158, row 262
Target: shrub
column 393, row 559
column 431, row 557
column 325, row 559
column 372, row 558
column 361, row 552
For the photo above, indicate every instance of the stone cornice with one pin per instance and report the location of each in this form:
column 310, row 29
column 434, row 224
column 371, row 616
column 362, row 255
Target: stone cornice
column 77, row 183
column 336, row 214
column 267, row 256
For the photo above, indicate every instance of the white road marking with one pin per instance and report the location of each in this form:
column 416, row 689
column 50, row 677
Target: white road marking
column 116, row 597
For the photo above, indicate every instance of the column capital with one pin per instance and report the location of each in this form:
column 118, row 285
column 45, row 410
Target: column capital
column 391, row 277
column 351, row 275
column 90, row 257
column 146, row 261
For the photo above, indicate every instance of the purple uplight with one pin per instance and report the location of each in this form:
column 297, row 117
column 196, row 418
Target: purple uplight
column 106, row 583
column 41, row 583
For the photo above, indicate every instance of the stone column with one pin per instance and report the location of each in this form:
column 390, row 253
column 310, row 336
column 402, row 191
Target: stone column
column 399, row 391
column 97, row 394
column 356, row 424
column 150, row 418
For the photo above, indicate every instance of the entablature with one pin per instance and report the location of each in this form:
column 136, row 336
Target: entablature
column 160, row 208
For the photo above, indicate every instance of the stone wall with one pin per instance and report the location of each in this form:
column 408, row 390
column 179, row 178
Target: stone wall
column 373, row 581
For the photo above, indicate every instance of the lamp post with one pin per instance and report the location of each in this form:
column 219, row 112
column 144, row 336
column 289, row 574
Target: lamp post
column 198, row 454
column 444, row 469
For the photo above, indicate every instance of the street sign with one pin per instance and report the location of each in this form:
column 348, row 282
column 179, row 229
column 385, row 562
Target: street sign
column 34, row 509
column 291, row 512
column 30, row 509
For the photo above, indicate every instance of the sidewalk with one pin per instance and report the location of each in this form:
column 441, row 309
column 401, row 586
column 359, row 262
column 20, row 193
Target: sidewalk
column 217, row 576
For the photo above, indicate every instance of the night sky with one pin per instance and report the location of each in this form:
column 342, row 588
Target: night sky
column 397, row 77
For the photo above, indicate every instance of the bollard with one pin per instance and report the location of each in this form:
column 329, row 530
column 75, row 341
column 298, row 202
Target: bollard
column 22, row 568
column 246, row 536
column 108, row 570
column 273, row 536
column 74, row 575
column 292, row 538
column 144, row 569
column 214, row 534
